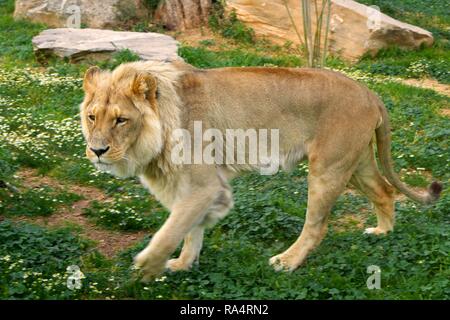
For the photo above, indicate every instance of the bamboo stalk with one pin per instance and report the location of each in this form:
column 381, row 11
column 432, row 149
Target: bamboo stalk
column 306, row 8
column 293, row 22
column 327, row 31
column 313, row 44
column 318, row 33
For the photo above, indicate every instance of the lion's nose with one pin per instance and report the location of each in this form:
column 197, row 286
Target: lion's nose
column 99, row 152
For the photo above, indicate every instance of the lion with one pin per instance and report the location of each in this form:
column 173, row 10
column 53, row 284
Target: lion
column 129, row 116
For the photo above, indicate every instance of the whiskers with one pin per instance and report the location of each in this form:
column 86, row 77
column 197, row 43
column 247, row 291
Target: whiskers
column 121, row 163
column 115, row 155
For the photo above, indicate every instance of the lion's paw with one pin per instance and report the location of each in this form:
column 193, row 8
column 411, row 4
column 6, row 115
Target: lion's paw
column 177, row 265
column 375, row 231
column 283, row 262
column 148, row 268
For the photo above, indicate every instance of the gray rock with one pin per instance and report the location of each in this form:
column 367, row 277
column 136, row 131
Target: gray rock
column 96, row 44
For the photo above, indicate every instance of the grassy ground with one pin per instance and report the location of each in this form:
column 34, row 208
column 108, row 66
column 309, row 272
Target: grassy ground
column 40, row 133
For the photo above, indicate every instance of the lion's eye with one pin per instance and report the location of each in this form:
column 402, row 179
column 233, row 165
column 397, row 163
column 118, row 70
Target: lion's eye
column 121, row 120
column 91, row 117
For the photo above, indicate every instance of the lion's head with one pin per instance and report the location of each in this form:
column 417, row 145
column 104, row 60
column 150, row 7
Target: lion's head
column 120, row 120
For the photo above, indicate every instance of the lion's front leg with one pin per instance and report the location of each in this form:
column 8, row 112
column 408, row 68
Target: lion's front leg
column 193, row 242
column 190, row 211
column 204, row 198
column 184, row 216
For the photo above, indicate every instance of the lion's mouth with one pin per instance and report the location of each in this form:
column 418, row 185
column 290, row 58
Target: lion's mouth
column 103, row 166
column 100, row 160
column 103, row 162
column 118, row 167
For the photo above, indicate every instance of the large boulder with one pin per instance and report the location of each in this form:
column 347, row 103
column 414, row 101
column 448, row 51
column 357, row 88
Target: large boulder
column 95, row 44
column 355, row 29
column 91, row 13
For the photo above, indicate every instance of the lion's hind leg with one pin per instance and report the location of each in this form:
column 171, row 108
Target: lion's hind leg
column 327, row 178
column 368, row 180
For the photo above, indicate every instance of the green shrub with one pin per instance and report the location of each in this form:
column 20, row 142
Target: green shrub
column 151, row 4
column 201, row 57
column 229, row 25
column 118, row 58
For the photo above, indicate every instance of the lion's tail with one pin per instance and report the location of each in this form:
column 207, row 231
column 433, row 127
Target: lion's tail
column 383, row 135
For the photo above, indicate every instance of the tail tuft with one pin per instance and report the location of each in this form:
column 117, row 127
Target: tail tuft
column 434, row 191
column 383, row 134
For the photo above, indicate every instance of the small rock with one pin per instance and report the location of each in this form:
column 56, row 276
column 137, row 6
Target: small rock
column 96, row 44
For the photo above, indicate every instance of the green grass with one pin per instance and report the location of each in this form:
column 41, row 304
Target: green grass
column 39, row 128
column 130, row 210
column 33, row 261
column 201, row 57
column 35, row 202
column 118, row 58
column 430, row 62
column 15, row 36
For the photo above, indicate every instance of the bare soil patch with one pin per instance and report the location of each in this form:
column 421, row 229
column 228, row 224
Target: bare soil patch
column 108, row 242
column 445, row 112
column 429, row 84
column 350, row 221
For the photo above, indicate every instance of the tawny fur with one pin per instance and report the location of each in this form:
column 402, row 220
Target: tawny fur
column 322, row 116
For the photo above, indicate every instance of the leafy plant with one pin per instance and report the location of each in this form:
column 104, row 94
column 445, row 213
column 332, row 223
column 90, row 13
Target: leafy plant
column 34, row 260
column 229, row 26
column 203, row 58
column 120, row 57
column 152, row 4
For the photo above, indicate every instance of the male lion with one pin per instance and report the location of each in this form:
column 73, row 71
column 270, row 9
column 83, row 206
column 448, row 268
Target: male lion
column 129, row 115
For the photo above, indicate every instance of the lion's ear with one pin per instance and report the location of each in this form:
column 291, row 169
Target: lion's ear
column 145, row 85
column 90, row 79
